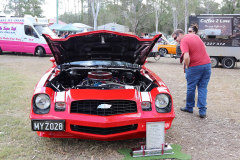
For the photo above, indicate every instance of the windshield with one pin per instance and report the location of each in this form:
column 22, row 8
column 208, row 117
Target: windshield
column 172, row 41
column 40, row 29
column 104, row 63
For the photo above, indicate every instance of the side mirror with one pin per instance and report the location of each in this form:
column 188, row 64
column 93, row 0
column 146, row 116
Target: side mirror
column 52, row 59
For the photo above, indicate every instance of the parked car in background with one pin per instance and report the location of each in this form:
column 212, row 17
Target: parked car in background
column 167, row 46
column 98, row 88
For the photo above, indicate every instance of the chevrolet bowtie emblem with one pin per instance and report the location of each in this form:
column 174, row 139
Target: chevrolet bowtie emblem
column 104, row 106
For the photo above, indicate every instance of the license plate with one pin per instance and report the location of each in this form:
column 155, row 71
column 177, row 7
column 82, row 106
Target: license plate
column 48, row 125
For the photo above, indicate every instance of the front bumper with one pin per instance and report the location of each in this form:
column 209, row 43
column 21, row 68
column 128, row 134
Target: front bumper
column 117, row 127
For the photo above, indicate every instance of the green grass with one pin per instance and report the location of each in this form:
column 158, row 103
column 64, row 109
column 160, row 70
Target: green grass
column 14, row 110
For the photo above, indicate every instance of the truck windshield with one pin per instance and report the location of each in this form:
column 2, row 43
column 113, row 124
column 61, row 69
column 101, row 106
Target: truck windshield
column 46, row 30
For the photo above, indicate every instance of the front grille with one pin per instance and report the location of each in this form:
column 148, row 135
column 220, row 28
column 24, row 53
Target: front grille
column 92, row 107
column 103, row 131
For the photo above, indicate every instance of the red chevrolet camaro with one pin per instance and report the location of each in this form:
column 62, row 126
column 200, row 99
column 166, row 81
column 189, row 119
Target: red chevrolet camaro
column 98, row 88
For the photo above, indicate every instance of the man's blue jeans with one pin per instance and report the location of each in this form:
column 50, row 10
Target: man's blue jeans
column 197, row 76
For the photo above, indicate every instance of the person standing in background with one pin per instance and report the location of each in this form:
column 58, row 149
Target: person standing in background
column 54, row 31
column 193, row 29
column 65, row 34
column 198, row 70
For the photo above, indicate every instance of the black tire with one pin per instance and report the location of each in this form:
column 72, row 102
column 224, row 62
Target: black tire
column 214, row 62
column 0, row 50
column 39, row 51
column 228, row 62
column 157, row 56
column 163, row 51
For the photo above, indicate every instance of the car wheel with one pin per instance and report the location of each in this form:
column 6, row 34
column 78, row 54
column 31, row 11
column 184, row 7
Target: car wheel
column 157, row 56
column 163, row 52
column 39, row 51
column 214, row 62
column 228, row 62
column 0, row 50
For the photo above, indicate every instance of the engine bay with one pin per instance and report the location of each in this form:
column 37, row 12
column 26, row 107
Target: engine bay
column 76, row 78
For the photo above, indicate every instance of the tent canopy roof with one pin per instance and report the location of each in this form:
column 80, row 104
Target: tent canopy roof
column 81, row 25
column 56, row 26
column 69, row 27
column 115, row 24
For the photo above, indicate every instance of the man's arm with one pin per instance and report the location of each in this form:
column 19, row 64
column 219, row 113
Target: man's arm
column 186, row 59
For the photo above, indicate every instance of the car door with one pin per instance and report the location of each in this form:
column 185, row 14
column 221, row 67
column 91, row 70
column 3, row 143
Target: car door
column 30, row 38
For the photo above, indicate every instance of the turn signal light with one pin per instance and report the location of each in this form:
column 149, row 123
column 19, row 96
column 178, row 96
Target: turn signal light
column 60, row 106
column 146, row 105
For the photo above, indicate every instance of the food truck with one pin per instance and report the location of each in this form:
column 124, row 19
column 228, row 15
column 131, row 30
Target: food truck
column 221, row 35
column 24, row 34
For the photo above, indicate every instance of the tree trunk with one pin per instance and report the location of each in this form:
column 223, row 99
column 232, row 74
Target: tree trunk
column 81, row 10
column 156, row 16
column 68, row 5
column 95, row 12
column 186, row 15
column 65, row 6
column 74, row 7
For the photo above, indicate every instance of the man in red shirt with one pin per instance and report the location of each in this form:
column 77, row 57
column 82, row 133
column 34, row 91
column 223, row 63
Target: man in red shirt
column 197, row 65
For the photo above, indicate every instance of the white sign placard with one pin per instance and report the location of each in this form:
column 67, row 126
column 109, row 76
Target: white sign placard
column 155, row 136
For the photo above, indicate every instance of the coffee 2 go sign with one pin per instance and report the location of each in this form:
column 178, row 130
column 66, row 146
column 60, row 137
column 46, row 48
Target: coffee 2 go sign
column 223, row 25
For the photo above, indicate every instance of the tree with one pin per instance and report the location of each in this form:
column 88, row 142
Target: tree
column 3, row 7
column 16, row 6
column 134, row 11
column 36, row 10
column 229, row 6
column 95, row 9
column 159, row 9
column 210, row 6
column 22, row 7
column 177, row 5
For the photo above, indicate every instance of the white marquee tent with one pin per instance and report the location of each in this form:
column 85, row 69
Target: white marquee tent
column 114, row 27
column 83, row 27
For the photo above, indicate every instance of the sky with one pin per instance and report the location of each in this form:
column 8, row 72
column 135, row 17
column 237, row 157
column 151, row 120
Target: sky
column 49, row 9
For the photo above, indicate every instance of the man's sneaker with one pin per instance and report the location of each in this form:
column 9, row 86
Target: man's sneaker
column 202, row 116
column 185, row 110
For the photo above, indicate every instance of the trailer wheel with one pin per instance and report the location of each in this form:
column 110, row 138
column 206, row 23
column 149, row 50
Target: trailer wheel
column 157, row 56
column 214, row 62
column 0, row 50
column 39, row 51
column 228, row 62
column 163, row 52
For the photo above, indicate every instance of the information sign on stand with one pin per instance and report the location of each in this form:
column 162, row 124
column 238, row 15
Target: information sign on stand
column 155, row 141
column 155, row 135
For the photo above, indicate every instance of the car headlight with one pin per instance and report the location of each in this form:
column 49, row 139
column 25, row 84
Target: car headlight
column 42, row 101
column 162, row 101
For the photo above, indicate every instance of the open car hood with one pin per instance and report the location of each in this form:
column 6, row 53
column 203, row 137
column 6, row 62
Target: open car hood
column 101, row 45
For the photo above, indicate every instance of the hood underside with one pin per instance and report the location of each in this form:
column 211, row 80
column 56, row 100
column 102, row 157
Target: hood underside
column 101, row 45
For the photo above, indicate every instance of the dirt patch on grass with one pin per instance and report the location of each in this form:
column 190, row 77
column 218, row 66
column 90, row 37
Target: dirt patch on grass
column 216, row 137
